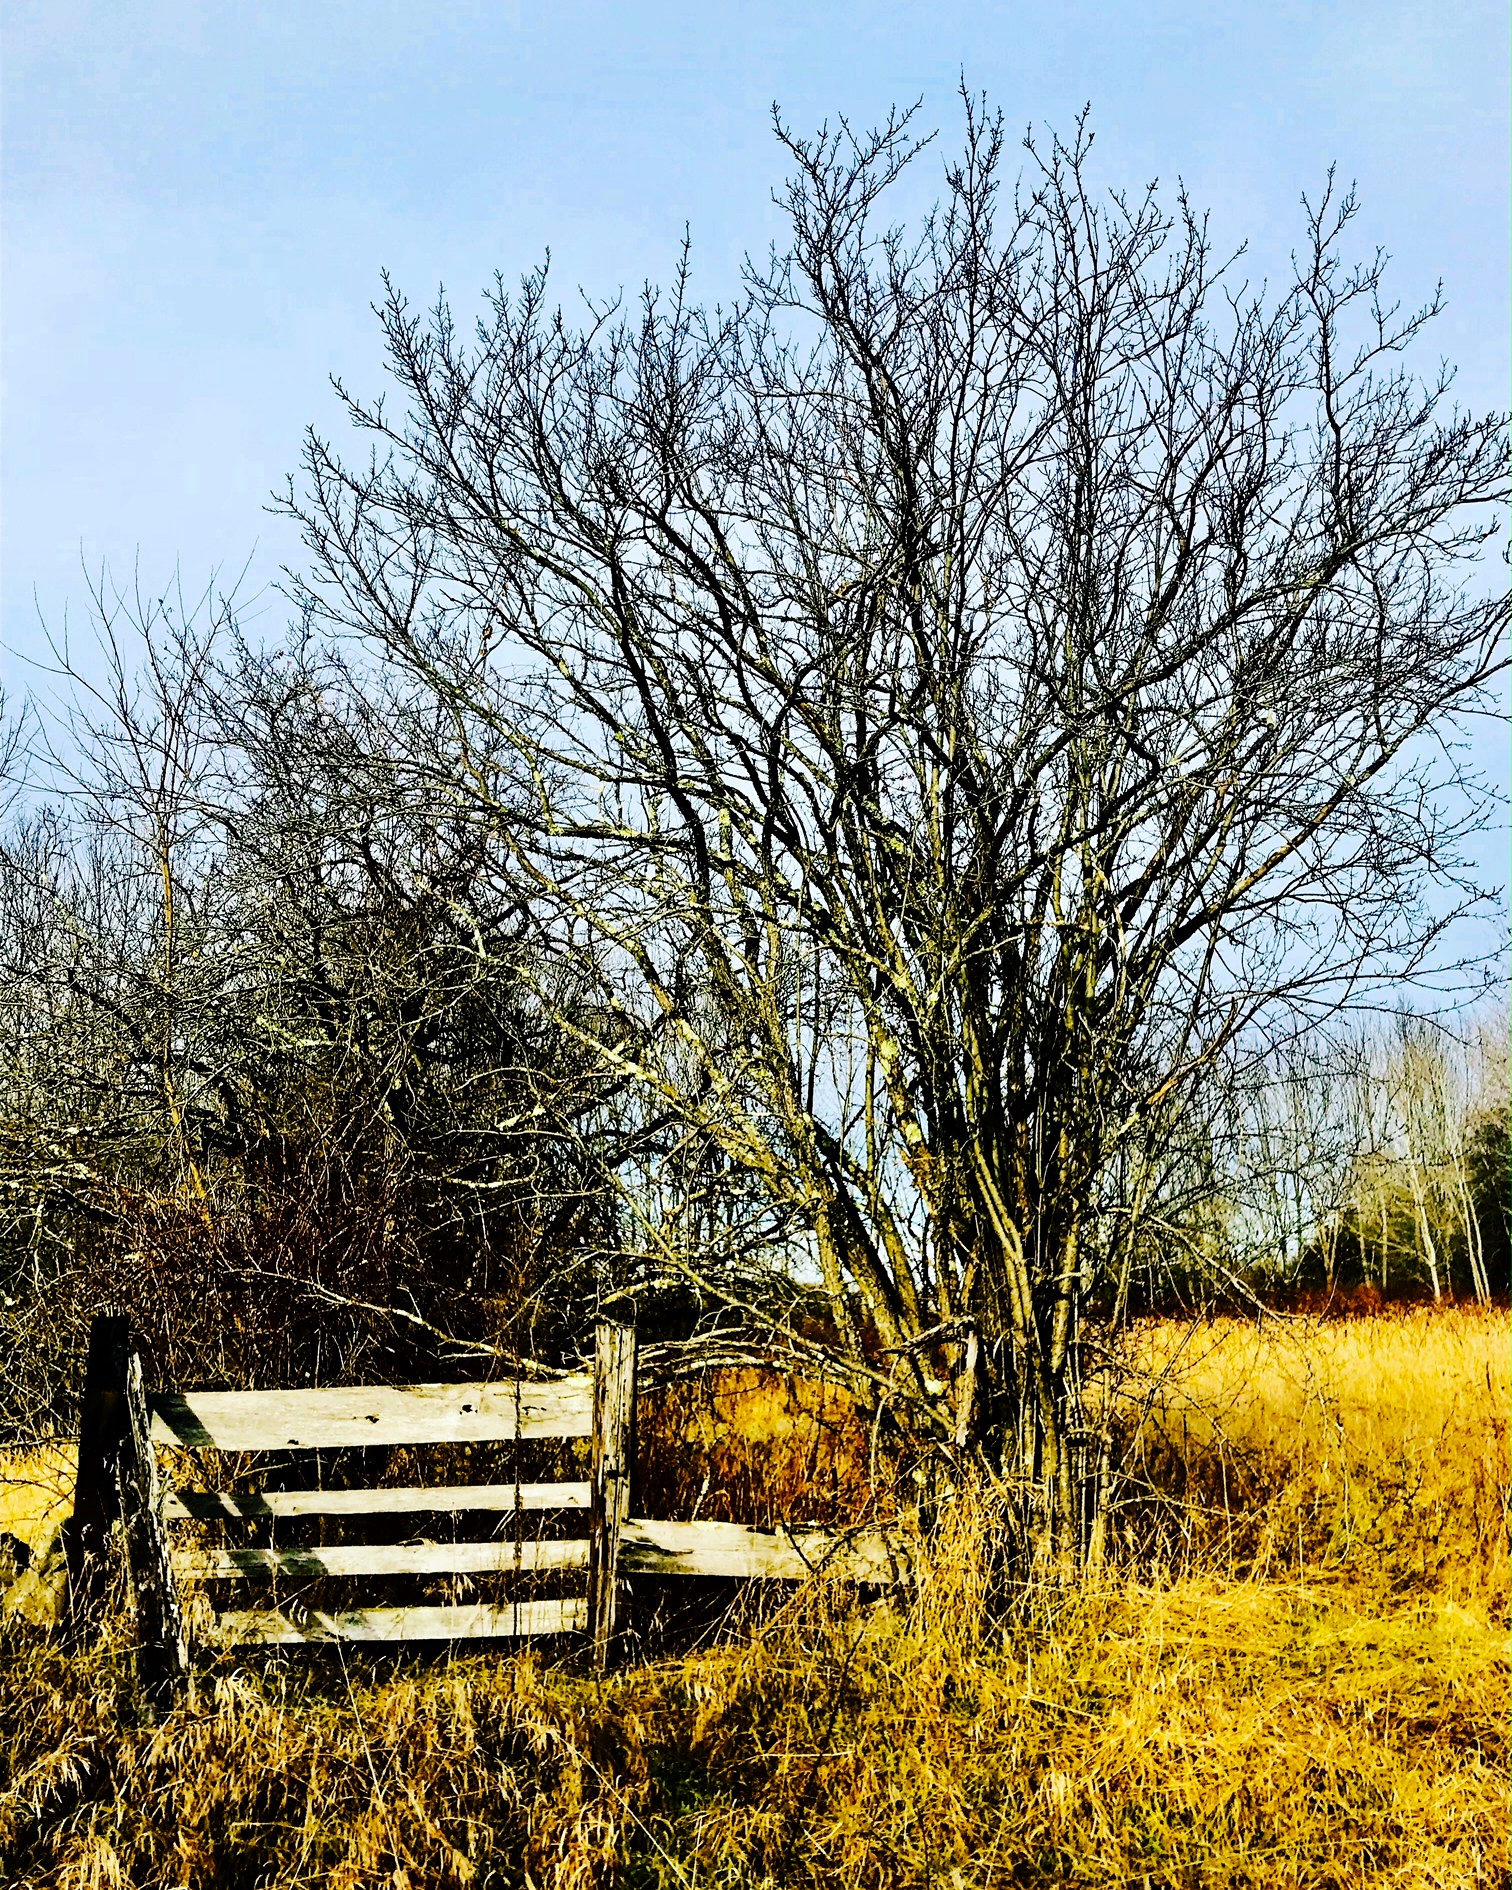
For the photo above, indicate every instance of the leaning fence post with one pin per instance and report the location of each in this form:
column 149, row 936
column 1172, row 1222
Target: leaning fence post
column 102, row 1416
column 613, row 1444
column 162, row 1642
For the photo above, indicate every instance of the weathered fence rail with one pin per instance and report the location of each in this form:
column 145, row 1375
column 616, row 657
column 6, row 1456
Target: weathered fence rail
column 122, row 1429
column 363, row 1415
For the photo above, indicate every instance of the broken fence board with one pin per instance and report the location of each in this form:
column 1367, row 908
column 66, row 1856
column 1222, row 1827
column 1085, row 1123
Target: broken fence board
column 273, row 1627
column 213, row 1506
column 346, row 1417
column 736, row 1550
column 379, row 1558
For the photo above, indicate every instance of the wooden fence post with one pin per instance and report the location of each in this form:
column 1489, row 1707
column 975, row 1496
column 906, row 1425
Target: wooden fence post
column 102, row 1416
column 162, row 1642
column 613, row 1446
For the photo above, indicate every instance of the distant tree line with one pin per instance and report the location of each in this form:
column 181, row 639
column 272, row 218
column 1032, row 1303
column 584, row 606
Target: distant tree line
column 1375, row 1165
column 1427, row 1201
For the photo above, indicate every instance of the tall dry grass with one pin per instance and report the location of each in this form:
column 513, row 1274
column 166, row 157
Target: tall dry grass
column 1374, row 1447
column 744, row 1445
column 1322, row 1709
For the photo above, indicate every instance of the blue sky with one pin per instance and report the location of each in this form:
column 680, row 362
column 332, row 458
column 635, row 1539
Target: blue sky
column 197, row 198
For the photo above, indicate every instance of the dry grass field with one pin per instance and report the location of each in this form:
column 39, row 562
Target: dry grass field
column 1374, row 1450
column 1308, row 1685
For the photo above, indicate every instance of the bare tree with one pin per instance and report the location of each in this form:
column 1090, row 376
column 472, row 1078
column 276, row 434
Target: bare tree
column 968, row 694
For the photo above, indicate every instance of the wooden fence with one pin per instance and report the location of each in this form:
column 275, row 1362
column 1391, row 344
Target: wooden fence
column 122, row 1428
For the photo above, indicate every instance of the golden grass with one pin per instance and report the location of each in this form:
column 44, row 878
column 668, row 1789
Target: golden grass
column 1318, row 1707
column 1375, row 1446
column 1201, row 1734
column 36, row 1492
column 754, row 1446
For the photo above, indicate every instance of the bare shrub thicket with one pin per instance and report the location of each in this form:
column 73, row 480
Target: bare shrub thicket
column 260, row 1084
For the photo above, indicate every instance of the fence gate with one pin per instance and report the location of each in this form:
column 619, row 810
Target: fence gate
column 122, row 1427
